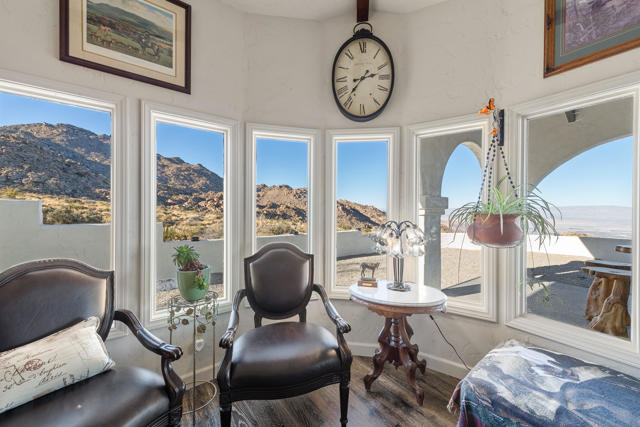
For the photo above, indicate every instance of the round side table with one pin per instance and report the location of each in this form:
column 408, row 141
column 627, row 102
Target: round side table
column 395, row 337
column 200, row 314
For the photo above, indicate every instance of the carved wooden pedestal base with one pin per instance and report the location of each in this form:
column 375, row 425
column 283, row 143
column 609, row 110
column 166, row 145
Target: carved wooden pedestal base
column 607, row 298
column 396, row 348
column 395, row 337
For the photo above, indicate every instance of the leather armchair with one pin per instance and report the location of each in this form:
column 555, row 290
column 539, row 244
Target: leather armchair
column 42, row 297
column 283, row 359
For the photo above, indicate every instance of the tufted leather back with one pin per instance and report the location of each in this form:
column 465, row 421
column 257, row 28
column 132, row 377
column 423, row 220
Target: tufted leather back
column 279, row 280
column 39, row 298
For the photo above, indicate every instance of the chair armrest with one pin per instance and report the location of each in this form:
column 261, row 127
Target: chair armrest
column 226, row 341
column 146, row 338
column 341, row 324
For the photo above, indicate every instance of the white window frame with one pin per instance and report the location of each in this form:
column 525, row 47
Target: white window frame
column 334, row 136
column 47, row 90
column 601, row 344
column 255, row 131
column 487, row 309
column 152, row 113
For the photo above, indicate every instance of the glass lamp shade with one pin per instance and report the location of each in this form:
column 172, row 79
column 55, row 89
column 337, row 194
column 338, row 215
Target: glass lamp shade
column 399, row 240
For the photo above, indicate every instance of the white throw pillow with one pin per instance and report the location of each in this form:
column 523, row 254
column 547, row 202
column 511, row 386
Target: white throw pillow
column 51, row 363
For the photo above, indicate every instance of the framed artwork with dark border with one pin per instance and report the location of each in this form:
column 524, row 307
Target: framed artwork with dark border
column 145, row 40
column 578, row 32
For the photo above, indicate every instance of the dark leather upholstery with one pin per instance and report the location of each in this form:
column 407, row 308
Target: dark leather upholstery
column 45, row 299
column 39, row 298
column 279, row 281
column 283, row 359
column 122, row 396
column 283, row 354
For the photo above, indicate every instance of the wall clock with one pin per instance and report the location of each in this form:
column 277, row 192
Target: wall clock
column 363, row 75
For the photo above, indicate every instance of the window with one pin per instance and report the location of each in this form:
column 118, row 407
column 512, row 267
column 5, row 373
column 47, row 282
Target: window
column 187, row 200
column 580, row 150
column 281, row 193
column 361, row 200
column 59, row 177
column 590, row 182
column 448, row 165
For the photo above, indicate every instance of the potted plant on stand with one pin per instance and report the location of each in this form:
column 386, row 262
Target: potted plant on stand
column 193, row 276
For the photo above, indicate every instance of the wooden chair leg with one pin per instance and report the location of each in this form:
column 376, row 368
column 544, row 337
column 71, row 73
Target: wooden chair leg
column 344, row 402
column 225, row 415
column 175, row 416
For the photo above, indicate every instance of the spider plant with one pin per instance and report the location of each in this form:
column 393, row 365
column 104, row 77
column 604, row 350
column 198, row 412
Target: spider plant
column 535, row 213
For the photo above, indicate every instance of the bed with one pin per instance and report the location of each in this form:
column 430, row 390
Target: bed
column 517, row 385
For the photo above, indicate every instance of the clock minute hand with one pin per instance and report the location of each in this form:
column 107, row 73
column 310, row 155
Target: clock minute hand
column 364, row 76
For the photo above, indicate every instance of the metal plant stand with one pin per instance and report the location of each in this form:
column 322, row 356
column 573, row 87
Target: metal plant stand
column 200, row 314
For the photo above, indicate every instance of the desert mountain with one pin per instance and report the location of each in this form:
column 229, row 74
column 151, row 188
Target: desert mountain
column 65, row 160
column 55, row 159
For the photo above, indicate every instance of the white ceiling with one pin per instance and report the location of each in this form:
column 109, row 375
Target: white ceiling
column 323, row 9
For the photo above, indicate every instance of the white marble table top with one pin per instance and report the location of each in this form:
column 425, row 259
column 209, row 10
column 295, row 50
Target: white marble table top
column 418, row 296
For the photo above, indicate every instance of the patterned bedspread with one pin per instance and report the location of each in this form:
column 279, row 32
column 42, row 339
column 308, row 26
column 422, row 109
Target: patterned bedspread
column 515, row 385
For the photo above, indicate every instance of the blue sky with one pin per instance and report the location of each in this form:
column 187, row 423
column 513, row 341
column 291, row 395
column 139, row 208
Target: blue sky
column 16, row 109
column 600, row 176
column 461, row 180
column 596, row 177
column 282, row 162
column 191, row 145
column 362, row 173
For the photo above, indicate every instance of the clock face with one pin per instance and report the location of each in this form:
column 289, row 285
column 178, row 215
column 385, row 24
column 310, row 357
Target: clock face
column 363, row 77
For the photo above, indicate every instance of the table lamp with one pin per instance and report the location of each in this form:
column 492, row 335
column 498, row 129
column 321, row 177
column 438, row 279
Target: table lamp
column 399, row 240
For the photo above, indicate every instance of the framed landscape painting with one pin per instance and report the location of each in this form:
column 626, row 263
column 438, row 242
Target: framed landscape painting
column 146, row 40
column 578, row 32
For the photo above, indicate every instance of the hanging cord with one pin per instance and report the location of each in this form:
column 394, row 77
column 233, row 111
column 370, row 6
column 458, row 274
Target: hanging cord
column 491, row 163
column 484, row 175
column 506, row 168
column 451, row 345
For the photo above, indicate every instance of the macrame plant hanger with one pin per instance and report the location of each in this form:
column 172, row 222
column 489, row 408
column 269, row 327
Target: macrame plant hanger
column 490, row 163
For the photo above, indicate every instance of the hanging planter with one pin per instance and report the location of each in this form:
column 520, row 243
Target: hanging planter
column 502, row 218
column 496, row 231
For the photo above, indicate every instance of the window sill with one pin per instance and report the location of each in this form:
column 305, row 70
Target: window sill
column 598, row 344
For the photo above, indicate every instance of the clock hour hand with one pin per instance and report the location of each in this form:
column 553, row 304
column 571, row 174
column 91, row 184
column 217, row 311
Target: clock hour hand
column 364, row 76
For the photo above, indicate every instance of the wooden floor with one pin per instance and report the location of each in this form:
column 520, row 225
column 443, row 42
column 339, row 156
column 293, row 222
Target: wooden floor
column 390, row 403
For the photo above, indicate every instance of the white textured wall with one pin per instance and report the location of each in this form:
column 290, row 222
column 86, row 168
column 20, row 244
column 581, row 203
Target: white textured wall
column 29, row 44
column 449, row 59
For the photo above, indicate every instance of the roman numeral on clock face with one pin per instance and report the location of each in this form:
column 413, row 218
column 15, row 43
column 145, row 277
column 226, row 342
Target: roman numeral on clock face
column 348, row 102
column 377, row 52
column 363, row 46
column 342, row 79
column 383, row 89
column 342, row 90
column 384, row 77
column 381, row 66
column 362, row 112
column 349, row 54
column 376, row 101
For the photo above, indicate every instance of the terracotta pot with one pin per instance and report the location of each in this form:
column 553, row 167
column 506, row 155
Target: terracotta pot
column 486, row 230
